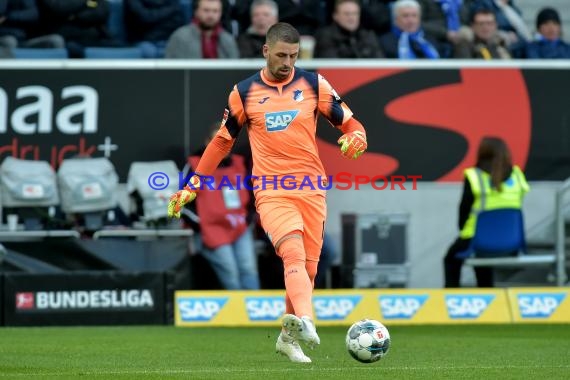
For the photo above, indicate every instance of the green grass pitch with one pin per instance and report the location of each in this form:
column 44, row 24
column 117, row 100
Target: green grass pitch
column 165, row 352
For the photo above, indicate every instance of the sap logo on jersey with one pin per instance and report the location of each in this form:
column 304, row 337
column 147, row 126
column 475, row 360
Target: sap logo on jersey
column 401, row 307
column 199, row 309
column 279, row 121
column 264, row 308
column 539, row 305
column 467, row 306
column 335, row 307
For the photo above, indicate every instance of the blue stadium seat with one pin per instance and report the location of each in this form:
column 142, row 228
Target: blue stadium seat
column 113, row 53
column 187, row 9
column 29, row 53
column 497, row 233
column 116, row 23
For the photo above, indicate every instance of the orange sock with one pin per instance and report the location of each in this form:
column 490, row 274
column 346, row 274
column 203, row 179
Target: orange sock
column 311, row 267
column 288, row 305
column 297, row 282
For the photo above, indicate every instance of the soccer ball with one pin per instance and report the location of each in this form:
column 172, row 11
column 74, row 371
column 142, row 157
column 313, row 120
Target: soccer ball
column 367, row 341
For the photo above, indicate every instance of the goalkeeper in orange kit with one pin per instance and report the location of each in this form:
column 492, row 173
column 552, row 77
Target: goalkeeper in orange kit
column 279, row 106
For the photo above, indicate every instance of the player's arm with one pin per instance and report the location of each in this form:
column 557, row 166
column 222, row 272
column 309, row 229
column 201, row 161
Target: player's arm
column 353, row 140
column 218, row 148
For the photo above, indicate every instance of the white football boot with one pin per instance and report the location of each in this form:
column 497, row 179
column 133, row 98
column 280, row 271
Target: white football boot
column 288, row 347
column 301, row 329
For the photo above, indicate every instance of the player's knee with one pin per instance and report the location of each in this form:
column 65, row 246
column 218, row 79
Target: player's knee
column 297, row 235
column 291, row 251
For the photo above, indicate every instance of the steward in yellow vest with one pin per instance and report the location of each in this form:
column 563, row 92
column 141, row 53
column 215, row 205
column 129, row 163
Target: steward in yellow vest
column 494, row 183
column 486, row 197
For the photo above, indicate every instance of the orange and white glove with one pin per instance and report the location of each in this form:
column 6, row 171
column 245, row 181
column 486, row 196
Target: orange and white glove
column 352, row 144
column 181, row 197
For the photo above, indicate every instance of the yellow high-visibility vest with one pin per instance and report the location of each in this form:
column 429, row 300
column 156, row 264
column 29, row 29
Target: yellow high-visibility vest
column 486, row 197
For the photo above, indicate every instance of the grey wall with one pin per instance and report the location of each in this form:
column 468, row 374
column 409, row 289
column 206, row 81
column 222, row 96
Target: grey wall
column 433, row 210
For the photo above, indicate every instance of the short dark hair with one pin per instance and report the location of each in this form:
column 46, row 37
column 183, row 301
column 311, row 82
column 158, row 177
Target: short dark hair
column 480, row 10
column 284, row 32
column 339, row 2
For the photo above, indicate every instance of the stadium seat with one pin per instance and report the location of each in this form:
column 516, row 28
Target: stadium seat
column 498, row 233
column 29, row 53
column 113, row 53
column 151, row 184
column 500, row 241
column 116, row 23
column 187, row 9
column 88, row 188
column 29, row 190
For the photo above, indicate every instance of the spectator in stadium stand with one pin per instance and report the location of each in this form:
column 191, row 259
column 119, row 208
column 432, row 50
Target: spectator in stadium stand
column 204, row 37
column 18, row 20
column 345, row 38
column 407, row 39
column 149, row 24
column 482, row 41
column 442, row 19
column 81, row 23
column 494, row 183
column 375, row 14
column 305, row 15
column 264, row 13
column 223, row 218
column 548, row 43
column 510, row 24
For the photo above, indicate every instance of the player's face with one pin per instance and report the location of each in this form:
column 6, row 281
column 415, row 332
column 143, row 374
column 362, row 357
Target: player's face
column 281, row 57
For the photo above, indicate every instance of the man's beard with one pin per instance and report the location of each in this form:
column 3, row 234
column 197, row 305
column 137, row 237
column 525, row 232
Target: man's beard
column 206, row 26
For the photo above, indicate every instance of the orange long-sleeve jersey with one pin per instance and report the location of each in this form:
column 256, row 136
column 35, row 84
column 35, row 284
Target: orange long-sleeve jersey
column 281, row 119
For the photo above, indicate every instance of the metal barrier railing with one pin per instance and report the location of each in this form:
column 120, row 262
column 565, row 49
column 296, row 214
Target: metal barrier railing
column 560, row 234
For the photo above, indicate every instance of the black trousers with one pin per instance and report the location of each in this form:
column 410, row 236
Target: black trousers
column 452, row 267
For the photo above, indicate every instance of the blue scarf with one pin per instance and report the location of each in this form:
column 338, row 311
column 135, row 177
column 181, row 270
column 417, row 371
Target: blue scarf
column 451, row 10
column 405, row 51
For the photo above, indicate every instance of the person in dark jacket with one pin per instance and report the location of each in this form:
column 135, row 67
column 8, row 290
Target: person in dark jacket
column 510, row 21
column 18, row 19
column 305, row 15
column 345, row 38
column 548, row 44
column 150, row 23
column 82, row 23
column 482, row 41
column 264, row 13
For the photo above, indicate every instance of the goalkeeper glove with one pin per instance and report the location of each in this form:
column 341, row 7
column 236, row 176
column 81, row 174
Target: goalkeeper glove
column 352, row 144
column 181, row 197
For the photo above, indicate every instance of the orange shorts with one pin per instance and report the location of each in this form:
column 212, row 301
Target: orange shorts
column 280, row 215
